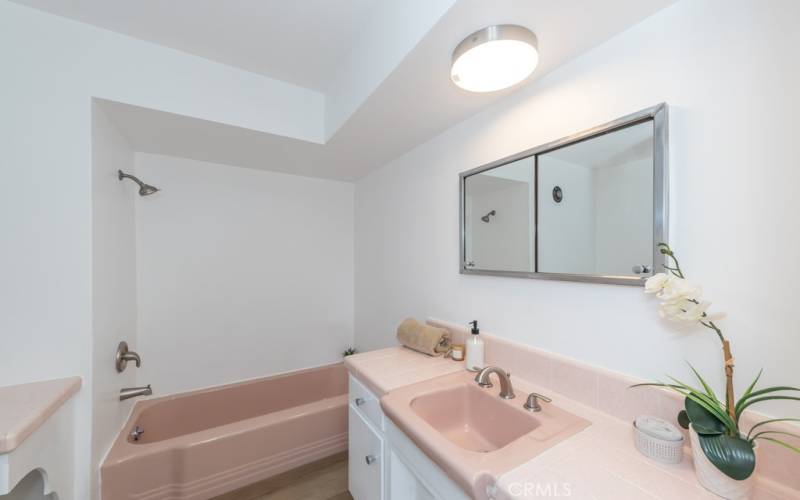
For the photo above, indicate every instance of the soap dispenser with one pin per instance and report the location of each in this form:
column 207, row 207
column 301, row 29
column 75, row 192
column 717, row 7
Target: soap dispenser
column 475, row 349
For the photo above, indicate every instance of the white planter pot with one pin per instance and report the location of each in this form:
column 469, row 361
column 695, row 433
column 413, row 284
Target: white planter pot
column 713, row 479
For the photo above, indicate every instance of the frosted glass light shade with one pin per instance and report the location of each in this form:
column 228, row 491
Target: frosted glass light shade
column 494, row 58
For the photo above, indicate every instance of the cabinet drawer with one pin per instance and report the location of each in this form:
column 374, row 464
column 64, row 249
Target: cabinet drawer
column 366, row 403
column 365, row 459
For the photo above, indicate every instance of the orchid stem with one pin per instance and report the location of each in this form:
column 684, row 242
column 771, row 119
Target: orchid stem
column 726, row 348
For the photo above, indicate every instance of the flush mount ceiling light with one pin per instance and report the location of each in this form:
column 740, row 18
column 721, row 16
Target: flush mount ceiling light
column 494, row 58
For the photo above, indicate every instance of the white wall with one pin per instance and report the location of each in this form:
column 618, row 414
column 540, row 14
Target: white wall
column 623, row 222
column 51, row 67
column 725, row 69
column 565, row 229
column 113, row 281
column 242, row 273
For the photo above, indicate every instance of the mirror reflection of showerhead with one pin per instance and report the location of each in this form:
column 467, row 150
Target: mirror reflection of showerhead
column 485, row 218
column 144, row 189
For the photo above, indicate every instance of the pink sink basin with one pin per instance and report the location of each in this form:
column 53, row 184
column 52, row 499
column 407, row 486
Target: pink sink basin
column 473, row 418
column 470, row 432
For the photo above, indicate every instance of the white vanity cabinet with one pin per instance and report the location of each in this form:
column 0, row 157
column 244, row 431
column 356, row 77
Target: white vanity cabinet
column 365, row 455
column 384, row 464
column 366, row 464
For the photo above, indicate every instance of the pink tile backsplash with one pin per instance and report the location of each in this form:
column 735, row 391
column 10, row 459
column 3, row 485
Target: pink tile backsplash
column 617, row 398
column 610, row 393
column 576, row 381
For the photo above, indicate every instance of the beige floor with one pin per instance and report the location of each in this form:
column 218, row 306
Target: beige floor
column 325, row 479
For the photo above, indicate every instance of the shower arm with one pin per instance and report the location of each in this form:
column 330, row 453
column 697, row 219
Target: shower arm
column 122, row 175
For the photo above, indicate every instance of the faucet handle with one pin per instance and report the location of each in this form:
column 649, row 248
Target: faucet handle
column 124, row 355
column 532, row 404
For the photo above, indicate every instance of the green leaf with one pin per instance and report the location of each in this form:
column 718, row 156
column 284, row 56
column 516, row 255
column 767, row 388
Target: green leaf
column 703, row 421
column 773, row 432
column 700, row 394
column 708, row 389
column 711, row 405
column 752, row 386
column 785, row 445
column 743, row 400
column 764, row 422
column 683, row 419
column 758, row 400
column 767, row 390
column 733, row 456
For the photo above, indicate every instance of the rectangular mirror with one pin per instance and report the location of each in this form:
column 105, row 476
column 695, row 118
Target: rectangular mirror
column 590, row 207
column 504, row 242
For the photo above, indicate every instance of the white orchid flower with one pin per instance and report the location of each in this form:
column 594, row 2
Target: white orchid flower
column 656, row 283
column 693, row 312
column 678, row 289
column 688, row 311
column 681, row 299
column 715, row 316
column 670, row 310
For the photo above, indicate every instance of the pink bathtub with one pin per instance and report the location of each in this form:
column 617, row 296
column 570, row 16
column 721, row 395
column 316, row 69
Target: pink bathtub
column 205, row 443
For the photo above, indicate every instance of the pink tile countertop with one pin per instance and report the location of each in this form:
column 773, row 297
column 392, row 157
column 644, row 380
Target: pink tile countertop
column 387, row 369
column 598, row 463
column 25, row 407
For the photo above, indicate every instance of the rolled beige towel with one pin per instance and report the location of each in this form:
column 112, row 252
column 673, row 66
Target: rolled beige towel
column 423, row 338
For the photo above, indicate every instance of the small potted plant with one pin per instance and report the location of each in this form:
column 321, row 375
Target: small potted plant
column 724, row 456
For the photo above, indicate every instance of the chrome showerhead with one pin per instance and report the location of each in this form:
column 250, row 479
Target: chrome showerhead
column 147, row 189
column 485, row 218
column 144, row 189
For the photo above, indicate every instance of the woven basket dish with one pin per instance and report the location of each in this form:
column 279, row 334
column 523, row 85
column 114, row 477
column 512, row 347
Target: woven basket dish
column 658, row 439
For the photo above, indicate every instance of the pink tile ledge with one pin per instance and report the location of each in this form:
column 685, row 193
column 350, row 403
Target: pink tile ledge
column 25, row 407
column 387, row 369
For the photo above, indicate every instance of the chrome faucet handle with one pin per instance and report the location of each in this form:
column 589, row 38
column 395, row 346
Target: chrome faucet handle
column 532, row 404
column 124, row 355
column 132, row 356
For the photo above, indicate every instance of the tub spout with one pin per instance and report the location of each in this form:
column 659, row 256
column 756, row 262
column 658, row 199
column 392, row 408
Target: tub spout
column 132, row 392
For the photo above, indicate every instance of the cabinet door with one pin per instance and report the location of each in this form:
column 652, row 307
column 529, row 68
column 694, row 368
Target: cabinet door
column 403, row 484
column 365, row 467
column 366, row 403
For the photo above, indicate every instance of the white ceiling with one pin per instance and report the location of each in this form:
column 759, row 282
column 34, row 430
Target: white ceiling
column 298, row 41
column 382, row 110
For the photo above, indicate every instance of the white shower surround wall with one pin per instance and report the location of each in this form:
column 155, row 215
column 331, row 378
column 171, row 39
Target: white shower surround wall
column 733, row 106
column 114, row 308
column 241, row 273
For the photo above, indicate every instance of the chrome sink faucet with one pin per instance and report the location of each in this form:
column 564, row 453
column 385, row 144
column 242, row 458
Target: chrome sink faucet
column 506, row 390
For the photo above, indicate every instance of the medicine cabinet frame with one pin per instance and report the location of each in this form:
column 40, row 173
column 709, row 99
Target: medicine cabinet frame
column 658, row 115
